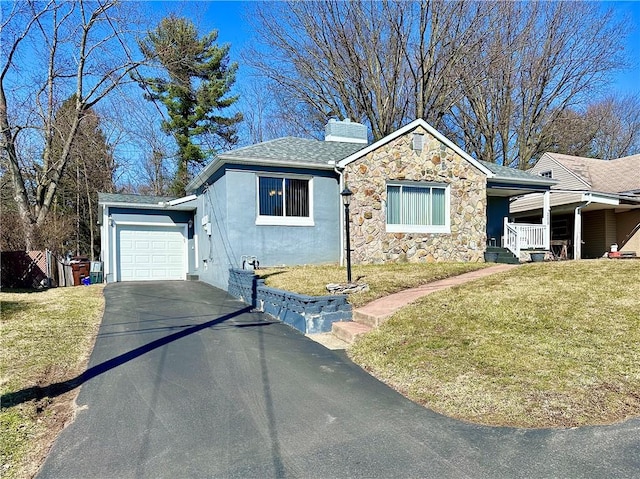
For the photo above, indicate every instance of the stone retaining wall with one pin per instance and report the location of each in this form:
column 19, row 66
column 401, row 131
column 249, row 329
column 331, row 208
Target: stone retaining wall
column 308, row 314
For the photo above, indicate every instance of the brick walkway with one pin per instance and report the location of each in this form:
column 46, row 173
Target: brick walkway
column 375, row 313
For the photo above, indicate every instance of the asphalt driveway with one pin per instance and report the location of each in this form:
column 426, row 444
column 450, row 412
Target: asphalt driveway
column 185, row 381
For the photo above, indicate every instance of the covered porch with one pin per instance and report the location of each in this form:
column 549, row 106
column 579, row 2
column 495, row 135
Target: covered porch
column 503, row 231
column 588, row 224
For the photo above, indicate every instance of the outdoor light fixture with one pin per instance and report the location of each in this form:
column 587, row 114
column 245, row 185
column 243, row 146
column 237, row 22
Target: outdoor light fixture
column 346, row 201
column 190, row 223
column 110, row 221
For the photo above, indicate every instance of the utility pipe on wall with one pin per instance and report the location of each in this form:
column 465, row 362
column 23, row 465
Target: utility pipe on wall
column 577, row 230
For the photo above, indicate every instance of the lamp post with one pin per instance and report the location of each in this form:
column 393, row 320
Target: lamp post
column 346, row 201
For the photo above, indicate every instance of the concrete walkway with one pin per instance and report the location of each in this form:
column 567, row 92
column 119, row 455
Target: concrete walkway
column 375, row 313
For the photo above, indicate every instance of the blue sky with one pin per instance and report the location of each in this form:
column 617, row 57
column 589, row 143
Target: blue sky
column 228, row 17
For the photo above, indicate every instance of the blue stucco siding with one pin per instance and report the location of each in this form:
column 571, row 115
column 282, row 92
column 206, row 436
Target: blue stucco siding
column 497, row 210
column 215, row 253
column 230, row 202
column 277, row 244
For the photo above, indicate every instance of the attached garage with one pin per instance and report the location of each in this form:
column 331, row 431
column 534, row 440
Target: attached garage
column 146, row 253
column 147, row 238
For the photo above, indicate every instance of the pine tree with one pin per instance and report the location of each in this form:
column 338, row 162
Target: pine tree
column 196, row 80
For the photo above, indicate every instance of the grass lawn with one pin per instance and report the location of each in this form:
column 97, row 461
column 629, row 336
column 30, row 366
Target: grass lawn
column 45, row 338
column 544, row 345
column 382, row 279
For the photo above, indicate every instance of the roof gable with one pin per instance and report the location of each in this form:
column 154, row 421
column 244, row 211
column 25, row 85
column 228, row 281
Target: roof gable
column 406, row 129
column 612, row 176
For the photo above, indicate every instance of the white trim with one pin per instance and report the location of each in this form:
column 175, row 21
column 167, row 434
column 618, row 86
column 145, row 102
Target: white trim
column 284, row 221
column 436, row 229
column 267, row 220
column 177, row 201
column 599, row 198
column 407, row 128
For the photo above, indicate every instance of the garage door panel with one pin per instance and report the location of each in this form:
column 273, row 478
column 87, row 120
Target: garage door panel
column 151, row 253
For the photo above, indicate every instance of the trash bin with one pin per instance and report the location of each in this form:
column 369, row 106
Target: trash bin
column 80, row 269
column 96, row 272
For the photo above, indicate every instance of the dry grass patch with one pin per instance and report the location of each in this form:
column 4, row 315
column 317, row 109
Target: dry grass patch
column 382, row 279
column 545, row 345
column 46, row 338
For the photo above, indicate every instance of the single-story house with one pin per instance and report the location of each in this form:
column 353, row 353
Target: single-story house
column 593, row 205
column 416, row 197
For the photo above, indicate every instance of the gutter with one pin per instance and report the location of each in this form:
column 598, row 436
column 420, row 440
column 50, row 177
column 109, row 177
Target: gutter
column 177, row 201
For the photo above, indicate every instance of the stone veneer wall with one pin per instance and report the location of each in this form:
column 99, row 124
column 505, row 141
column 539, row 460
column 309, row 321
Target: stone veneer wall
column 397, row 161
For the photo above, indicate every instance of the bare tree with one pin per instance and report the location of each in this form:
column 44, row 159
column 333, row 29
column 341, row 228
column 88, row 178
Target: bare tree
column 498, row 76
column 537, row 60
column 75, row 48
column 336, row 59
column 618, row 127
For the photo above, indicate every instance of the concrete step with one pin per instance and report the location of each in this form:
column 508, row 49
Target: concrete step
column 348, row 331
column 368, row 319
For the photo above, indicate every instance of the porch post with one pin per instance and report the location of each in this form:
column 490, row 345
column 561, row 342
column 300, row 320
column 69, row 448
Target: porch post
column 577, row 233
column 546, row 219
column 504, row 239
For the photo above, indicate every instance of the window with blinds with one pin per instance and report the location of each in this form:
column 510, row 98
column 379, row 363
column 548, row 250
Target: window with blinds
column 417, row 208
column 288, row 199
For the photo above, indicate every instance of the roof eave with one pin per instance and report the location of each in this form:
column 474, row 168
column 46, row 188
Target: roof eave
column 223, row 159
column 524, row 181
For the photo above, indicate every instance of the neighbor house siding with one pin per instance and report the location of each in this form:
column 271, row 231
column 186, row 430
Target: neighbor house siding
column 628, row 231
column 566, row 179
column 598, row 232
column 368, row 177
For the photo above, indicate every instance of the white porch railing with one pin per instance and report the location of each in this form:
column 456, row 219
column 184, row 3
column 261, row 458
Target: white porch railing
column 519, row 236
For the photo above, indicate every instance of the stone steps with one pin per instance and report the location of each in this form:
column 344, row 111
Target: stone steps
column 348, row 331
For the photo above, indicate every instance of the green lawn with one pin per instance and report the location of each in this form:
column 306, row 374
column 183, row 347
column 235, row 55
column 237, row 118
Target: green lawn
column 45, row 338
column 382, row 279
column 552, row 344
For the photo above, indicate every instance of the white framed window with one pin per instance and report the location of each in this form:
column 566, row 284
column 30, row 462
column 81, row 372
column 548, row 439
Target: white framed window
column 285, row 200
column 418, row 208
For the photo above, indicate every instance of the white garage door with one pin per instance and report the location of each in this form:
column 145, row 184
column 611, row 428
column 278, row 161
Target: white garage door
column 151, row 253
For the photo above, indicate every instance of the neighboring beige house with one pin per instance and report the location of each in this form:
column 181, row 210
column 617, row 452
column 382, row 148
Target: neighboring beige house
column 418, row 197
column 594, row 205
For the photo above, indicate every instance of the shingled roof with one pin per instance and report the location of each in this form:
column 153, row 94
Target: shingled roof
column 132, row 199
column 288, row 151
column 613, row 176
column 505, row 173
column 297, row 151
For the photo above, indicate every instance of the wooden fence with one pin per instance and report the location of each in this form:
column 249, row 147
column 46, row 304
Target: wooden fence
column 34, row 270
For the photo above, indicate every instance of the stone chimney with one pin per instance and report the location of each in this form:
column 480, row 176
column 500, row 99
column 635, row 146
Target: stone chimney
column 345, row 131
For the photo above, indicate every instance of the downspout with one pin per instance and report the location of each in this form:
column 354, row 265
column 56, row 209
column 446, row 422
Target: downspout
column 577, row 230
column 340, row 172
